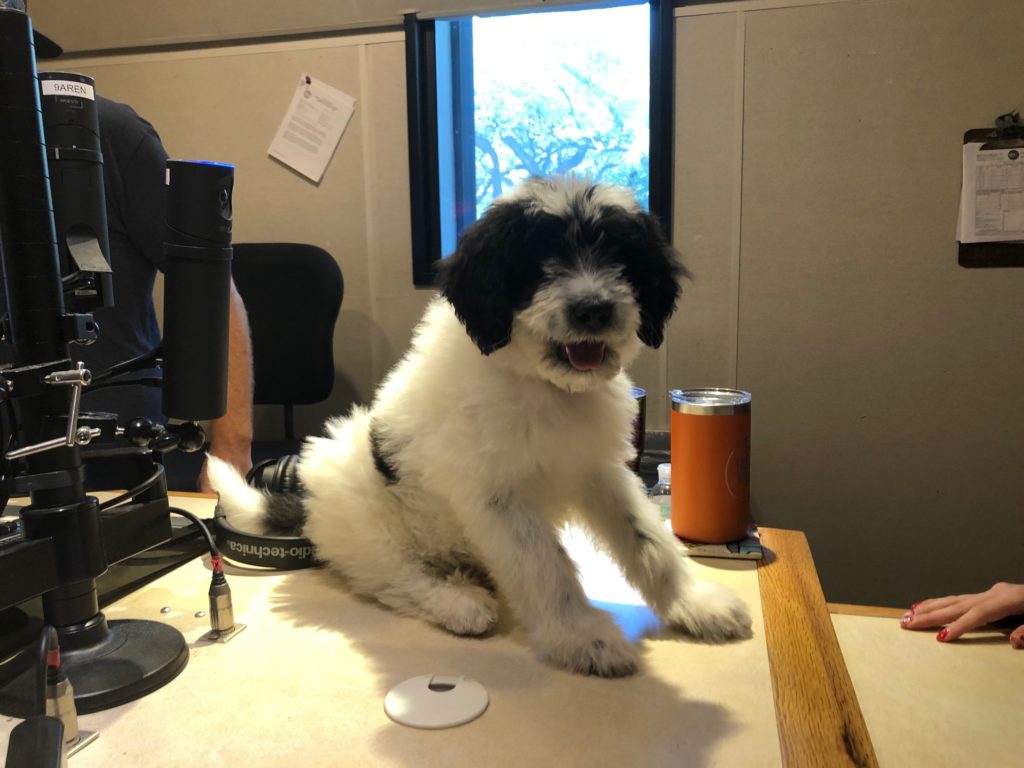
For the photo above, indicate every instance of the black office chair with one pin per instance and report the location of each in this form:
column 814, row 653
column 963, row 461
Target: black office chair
column 293, row 293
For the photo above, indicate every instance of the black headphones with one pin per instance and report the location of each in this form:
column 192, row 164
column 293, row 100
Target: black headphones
column 281, row 553
column 276, row 475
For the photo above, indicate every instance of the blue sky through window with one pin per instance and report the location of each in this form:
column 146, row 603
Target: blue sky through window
column 563, row 91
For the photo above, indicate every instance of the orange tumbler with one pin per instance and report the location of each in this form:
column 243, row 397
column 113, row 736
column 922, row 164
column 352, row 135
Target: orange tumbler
column 710, row 444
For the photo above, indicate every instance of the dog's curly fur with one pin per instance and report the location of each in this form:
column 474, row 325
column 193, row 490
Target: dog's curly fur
column 509, row 415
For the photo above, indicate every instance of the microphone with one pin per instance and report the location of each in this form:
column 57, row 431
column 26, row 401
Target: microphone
column 72, row 131
column 197, row 284
column 28, row 240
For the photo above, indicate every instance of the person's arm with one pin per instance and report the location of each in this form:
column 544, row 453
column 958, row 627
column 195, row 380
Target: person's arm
column 961, row 613
column 231, row 435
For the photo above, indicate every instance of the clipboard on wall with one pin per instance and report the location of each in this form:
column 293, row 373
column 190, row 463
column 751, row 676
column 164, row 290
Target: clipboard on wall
column 990, row 228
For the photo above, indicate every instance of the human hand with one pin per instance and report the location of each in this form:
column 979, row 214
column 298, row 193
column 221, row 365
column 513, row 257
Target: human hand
column 961, row 613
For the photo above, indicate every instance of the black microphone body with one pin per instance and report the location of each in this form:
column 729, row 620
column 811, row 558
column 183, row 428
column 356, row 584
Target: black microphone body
column 28, row 238
column 28, row 244
column 197, row 285
column 71, row 127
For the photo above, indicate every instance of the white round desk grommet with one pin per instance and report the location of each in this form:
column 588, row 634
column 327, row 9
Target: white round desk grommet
column 436, row 701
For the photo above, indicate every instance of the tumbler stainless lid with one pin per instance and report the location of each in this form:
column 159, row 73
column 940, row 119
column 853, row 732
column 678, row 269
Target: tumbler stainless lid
column 710, row 401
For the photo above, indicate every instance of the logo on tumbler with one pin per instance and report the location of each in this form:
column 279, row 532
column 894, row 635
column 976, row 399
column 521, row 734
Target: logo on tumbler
column 737, row 473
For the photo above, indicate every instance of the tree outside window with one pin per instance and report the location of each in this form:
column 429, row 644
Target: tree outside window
column 559, row 93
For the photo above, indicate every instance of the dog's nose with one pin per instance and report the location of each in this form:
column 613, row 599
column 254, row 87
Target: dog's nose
column 591, row 315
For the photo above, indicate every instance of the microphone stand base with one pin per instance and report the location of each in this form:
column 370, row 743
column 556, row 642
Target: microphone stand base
column 135, row 658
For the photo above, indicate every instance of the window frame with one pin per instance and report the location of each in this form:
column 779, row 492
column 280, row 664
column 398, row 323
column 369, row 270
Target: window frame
column 429, row 191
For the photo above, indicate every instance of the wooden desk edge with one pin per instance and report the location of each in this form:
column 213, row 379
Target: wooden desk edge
column 876, row 611
column 192, row 495
column 819, row 718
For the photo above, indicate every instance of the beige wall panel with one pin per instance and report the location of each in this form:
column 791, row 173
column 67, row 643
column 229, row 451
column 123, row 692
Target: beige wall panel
column 701, row 346
column 397, row 304
column 95, row 25
column 888, row 418
column 648, row 372
column 700, row 340
column 226, row 105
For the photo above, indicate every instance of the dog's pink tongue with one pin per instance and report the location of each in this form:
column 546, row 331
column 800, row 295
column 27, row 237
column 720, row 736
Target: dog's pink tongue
column 585, row 355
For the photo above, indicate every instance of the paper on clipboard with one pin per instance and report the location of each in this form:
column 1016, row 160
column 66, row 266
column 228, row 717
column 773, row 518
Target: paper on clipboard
column 992, row 195
column 312, row 127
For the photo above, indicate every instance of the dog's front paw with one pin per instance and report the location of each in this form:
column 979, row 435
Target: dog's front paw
column 468, row 610
column 594, row 647
column 711, row 612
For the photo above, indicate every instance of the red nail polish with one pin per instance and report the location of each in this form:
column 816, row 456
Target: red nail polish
column 914, row 606
column 942, row 634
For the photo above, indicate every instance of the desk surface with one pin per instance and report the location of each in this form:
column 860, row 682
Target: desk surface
column 931, row 703
column 923, row 702
column 305, row 681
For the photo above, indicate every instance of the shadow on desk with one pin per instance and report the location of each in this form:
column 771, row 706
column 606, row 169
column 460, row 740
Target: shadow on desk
column 538, row 714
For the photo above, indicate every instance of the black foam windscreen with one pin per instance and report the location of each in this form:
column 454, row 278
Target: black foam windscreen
column 197, row 284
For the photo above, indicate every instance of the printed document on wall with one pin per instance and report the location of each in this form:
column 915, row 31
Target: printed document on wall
column 312, row 127
column 992, row 196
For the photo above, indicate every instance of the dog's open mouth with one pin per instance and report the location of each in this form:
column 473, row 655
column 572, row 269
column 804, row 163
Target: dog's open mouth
column 585, row 355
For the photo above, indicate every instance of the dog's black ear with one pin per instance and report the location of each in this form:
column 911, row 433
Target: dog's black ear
column 655, row 273
column 492, row 273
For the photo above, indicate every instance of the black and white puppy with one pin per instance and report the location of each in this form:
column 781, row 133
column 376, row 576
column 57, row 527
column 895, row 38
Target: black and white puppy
column 509, row 415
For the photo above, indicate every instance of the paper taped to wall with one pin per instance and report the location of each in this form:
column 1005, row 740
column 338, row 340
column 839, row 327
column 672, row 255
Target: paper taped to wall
column 992, row 196
column 312, row 127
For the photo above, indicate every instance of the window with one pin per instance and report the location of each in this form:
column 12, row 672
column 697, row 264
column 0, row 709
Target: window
column 494, row 99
